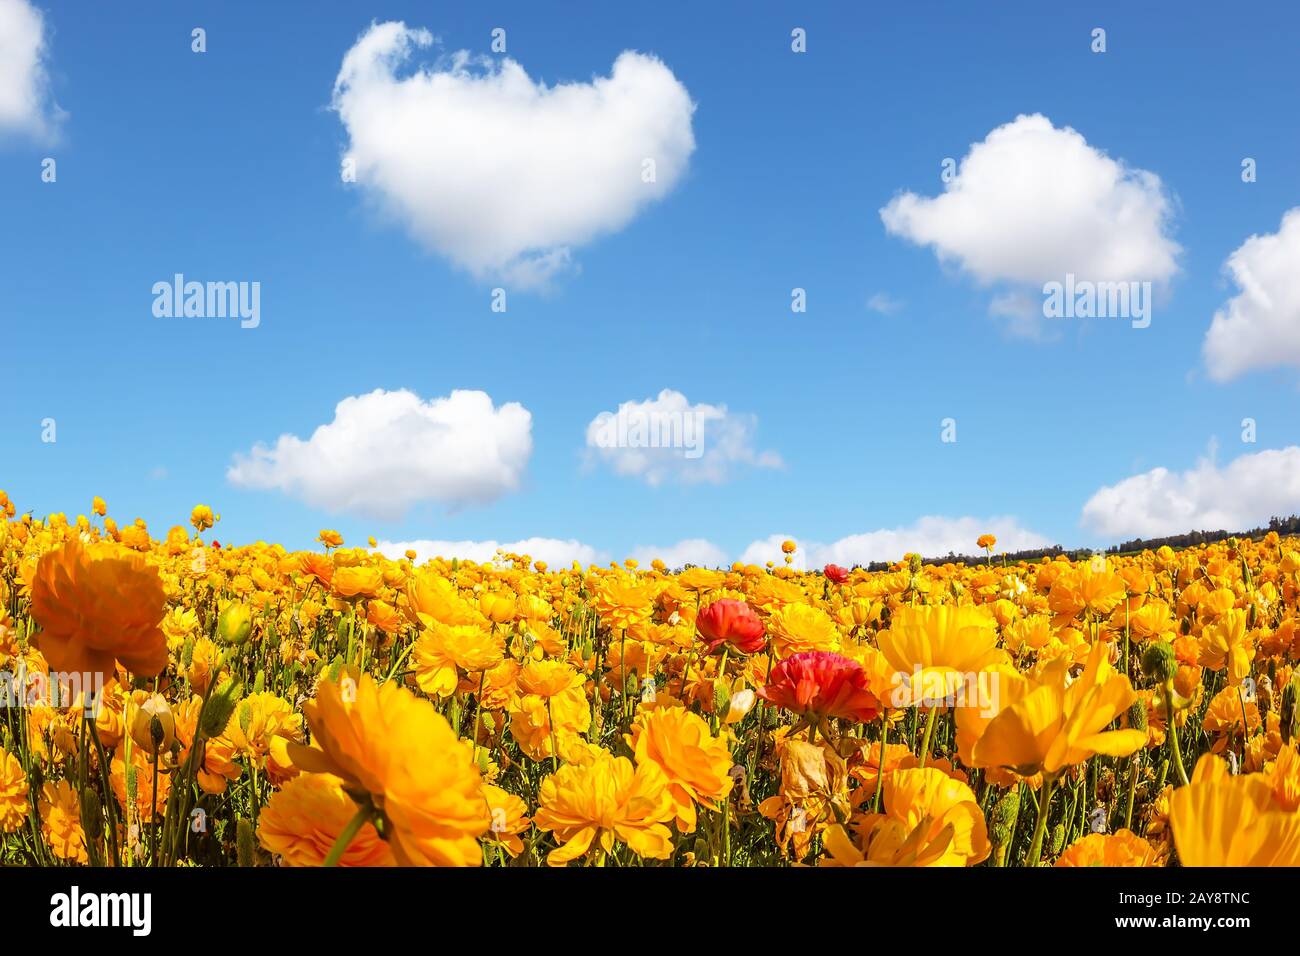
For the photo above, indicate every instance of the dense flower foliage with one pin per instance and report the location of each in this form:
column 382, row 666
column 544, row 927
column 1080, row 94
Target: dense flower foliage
column 174, row 702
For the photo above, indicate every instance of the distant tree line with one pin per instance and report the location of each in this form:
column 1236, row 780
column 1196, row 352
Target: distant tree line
column 1283, row 526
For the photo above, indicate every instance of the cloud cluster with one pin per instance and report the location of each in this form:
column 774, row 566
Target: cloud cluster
column 385, row 451
column 556, row 552
column 667, row 438
column 26, row 105
column 1032, row 203
column 1235, row 497
column 1260, row 326
column 930, row 536
column 499, row 172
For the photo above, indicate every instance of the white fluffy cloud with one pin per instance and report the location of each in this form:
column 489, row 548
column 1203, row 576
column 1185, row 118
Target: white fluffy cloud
column 501, row 173
column 385, row 451
column 556, row 552
column 1032, row 203
column 695, row 551
column 932, row 536
column 667, row 438
column 1236, row 497
column 1260, row 326
column 26, row 105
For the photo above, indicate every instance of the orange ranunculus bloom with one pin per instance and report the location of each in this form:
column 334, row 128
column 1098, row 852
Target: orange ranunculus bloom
column 1121, row 848
column 60, row 811
column 604, row 800
column 303, row 820
column 694, row 762
column 355, row 582
column 929, row 819
column 14, row 805
column 386, row 743
column 1224, row 820
column 98, row 604
column 934, row 644
column 1054, row 726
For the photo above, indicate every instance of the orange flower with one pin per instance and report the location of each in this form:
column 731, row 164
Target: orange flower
column 357, row 582
column 384, row 741
column 603, row 800
column 302, row 821
column 1121, row 848
column 1222, row 820
column 61, row 821
column 13, row 793
column 99, row 604
column 930, row 819
column 695, row 763
column 1054, row 726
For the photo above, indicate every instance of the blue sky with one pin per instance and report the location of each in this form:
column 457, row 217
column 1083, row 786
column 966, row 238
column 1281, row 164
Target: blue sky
column 225, row 166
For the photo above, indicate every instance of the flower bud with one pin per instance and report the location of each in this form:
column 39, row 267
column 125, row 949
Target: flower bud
column 1002, row 819
column 219, row 707
column 152, row 726
column 1290, row 699
column 1058, row 838
column 244, row 843
column 235, row 623
column 1159, row 662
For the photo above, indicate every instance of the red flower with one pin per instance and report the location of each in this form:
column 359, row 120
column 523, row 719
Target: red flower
column 820, row 684
column 216, row 543
column 836, row 574
column 731, row 622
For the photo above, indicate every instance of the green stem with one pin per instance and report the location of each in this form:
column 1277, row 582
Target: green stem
column 925, row 741
column 1174, row 750
column 1036, row 845
column 354, row 826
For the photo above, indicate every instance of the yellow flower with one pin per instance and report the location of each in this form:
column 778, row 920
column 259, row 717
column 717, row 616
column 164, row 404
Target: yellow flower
column 1121, row 848
column 930, row 819
column 497, row 607
column 796, row 628
column 385, row 742
column 331, row 539
column 1224, row 820
column 60, row 811
column 623, row 603
column 605, row 800
column 302, row 821
column 202, row 518
column 257, row 720
column 694, row 762
column 936, row 646
column 98, row 506
column 1227, row 643
column 509, row 819
column 14, row 807
column 98, row 604
column 550, row 710
column 152, row 726
column 355, row 582
column 431, row 597
column 443, row 650
column 1054, row 726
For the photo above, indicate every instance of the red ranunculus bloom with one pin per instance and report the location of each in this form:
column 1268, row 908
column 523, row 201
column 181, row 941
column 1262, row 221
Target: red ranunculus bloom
column 821, row 684
column 836, row 574
column 731, row 622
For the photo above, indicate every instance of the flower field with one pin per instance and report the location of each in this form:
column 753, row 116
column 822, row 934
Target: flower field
column 174, row 701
